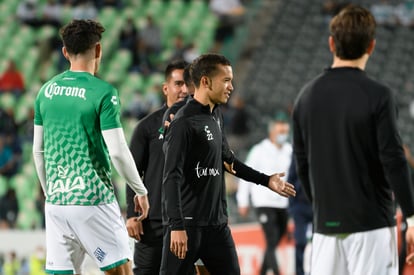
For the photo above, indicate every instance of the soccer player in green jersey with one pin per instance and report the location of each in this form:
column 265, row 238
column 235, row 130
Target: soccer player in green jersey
column 77, row 132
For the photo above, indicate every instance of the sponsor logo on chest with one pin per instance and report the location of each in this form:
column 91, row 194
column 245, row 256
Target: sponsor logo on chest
column 53, row 90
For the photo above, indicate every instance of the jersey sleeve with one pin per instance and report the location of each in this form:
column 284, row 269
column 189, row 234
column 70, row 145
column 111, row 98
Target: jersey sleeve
column 109, row 115
column 37, row 116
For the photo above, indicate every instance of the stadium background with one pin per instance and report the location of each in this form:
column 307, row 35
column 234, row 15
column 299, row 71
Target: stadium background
column 280, row 45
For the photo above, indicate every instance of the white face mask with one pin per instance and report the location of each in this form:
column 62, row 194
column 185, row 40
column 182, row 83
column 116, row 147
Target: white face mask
column 281, row 138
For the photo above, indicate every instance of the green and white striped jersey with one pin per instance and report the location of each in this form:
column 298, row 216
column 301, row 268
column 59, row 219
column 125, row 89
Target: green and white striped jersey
column 73, row 108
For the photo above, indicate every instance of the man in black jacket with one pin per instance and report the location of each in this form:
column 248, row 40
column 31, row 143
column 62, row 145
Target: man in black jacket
column 193, row 185
column 350, row 158
column 146, row 149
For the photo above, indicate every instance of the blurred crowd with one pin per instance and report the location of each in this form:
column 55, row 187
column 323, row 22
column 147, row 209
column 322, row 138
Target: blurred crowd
column 13, row 264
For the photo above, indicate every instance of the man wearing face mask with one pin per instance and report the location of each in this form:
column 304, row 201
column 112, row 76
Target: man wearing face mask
column 272, row 154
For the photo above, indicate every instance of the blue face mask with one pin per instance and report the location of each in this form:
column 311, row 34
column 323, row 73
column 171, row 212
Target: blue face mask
column 281, row 138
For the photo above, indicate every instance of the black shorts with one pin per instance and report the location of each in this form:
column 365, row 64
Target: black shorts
column 214, row 245
column 148, row 251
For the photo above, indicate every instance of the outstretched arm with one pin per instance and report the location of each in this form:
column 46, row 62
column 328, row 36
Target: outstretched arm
column 273, row 182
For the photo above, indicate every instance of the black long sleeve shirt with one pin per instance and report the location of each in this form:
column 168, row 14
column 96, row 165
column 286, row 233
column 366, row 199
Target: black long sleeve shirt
column 193, row 185
column 349, row 153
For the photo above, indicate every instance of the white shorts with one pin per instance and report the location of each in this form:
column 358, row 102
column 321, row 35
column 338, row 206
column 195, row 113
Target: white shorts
column 373, row 252
column 73, row 230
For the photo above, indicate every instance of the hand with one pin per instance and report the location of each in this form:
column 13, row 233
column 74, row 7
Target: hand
column 178, row 243
column 409, row 236
column 134, row 228
column 167, row 123
column 243, row 211
column 280, row 186
column 229, row 168
column 141, row 206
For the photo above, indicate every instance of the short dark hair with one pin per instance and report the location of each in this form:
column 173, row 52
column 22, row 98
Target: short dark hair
column 174, row 65
column 79, row 36
column 352, row 29
column 206, row 65
column 187, row 76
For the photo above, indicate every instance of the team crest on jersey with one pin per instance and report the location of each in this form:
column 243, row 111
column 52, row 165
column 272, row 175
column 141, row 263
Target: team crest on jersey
column 209, row 134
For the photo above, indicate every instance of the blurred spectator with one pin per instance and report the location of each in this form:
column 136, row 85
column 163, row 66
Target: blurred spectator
column 144, row 103
column 239, row 117
column 9, row 142
column 179, row 48
column 404, row 13
column 153, row 97
column 190, row 52
column 11, row 168
column 141, row 59
column 7, row 122
column 230, row 14
column 272, row 155
column 27, row 13
column 150, row 35
column 25, row 128
column 236, row 120
column 383, row 12
column 109, row 3
column 128, row 35
column 52, row 13
column 187, row 52
column 12, row 264
column 24, row 267
column 12, row 80
column 136, row 108
column 38, row 261
column 9, row 209
column 6, row 155
column 1, row 263
column 84, row 9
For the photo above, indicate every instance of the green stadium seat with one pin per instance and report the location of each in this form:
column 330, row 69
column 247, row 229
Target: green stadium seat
column 28, row 217
column 30, row 64
column 155, row 8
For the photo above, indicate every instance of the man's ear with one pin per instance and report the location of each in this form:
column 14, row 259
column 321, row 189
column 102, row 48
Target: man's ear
column 371, row 46
column 331, row 43
column 65, row 53
column 98, row 50
column 164, row 88
column 205, row 82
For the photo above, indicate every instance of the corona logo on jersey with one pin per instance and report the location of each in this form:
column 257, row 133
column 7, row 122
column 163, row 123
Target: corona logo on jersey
column 53, row 89
column 64, row 184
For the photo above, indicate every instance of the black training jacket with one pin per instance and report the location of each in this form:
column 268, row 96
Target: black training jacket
column 193, row 185
column 146, row 148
